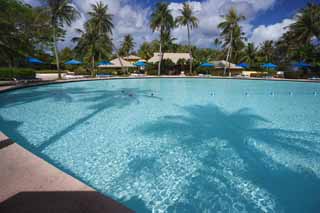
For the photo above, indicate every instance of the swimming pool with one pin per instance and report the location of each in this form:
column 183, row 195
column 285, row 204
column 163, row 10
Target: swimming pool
column 178, row 145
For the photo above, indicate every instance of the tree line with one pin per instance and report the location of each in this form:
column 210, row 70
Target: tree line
column 37, row 31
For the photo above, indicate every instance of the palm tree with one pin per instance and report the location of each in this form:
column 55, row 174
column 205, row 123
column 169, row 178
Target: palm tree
column 162, row 21
column 231, row 32
column 61, row 12
column 127, row 45
column 101, row 20
column 217, row 43
column 145, row 51
column 188, row 19
column 96, row 38
column 307, row 24
column 266, row 50
column 250, row 54
column 168, row 42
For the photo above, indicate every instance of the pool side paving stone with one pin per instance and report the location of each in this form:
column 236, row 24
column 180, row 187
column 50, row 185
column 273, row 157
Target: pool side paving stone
column 30, row 184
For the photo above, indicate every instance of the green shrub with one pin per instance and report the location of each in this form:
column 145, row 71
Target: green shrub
column 49, row 71
column 18, row 73
column 108, row 71
column 152, row 71
column 218, row 72
column 293, row 75
column 81, row 71
column 258, row 75
column 204, row 70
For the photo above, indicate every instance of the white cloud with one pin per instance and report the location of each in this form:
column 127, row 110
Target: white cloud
column 271, row 32
column 133, row 17
column 209, row 14
column 127, row 19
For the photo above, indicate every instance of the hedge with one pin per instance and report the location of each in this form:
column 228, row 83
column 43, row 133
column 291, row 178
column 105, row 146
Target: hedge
column 49, row 71
column 258, row 75
column 18, row 73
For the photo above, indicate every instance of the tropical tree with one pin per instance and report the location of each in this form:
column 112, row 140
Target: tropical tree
column 190, row 21
column 250, row 55
column 266, row 51
column 231, row 33
column 168, row 42
column 301, row 40
column 307, row 24
column 145, row 51
column 66, row 54
column 95, row 40
column 61, row 12
column 217, row 43
column 162, row 21
column 101, row 21
column 24, row 32
column 127, row 45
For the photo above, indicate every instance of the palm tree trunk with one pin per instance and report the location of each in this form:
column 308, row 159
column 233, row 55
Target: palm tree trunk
column 56, row 52
column 120, row 61
column 190, row 52
column 10, row 62
column 117, row 51
column 159, row 65
column 93, row 62
column 228, row 54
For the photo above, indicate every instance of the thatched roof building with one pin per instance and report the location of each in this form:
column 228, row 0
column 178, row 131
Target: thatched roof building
column 174, row 57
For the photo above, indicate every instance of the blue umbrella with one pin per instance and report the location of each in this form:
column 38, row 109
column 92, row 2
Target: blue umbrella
column 31, row 60
column 269, row 66
column 243, row 65
column 206, row 64
column 302, row 65
column 104, row 63
column 140, row 64
column 73, row 62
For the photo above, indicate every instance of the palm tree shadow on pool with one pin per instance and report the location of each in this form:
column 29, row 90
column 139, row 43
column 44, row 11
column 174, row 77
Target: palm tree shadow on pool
column 282, row 163
column 97, row 101
column 33, row 94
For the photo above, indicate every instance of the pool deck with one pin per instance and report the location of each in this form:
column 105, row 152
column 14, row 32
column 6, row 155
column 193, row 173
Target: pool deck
column 30, row 184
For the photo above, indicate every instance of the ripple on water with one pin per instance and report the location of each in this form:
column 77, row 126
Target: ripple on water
column 182, row 149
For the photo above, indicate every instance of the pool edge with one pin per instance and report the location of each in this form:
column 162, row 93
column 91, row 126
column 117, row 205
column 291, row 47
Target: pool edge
column 44, row 83
column 25, row 177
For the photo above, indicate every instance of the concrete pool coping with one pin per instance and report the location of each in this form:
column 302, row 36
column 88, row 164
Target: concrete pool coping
column 30, row 184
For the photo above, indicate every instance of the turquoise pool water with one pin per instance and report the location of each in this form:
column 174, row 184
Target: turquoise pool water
column 178, row 145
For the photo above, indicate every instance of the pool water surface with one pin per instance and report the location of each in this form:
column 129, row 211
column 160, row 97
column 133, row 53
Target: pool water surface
column 178, row 145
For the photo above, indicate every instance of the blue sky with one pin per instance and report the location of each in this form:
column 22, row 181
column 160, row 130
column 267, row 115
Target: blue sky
column 281, row 10
column 266, row 19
